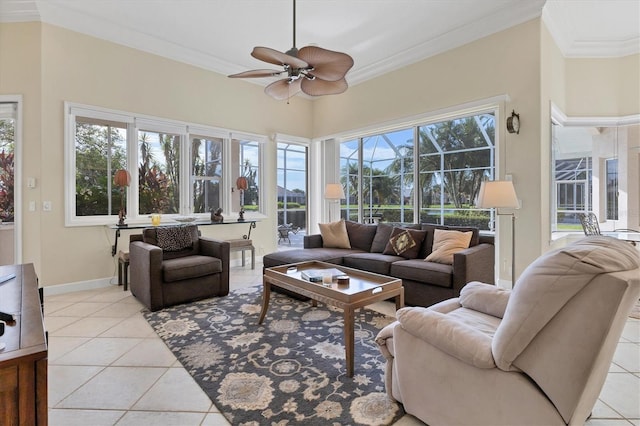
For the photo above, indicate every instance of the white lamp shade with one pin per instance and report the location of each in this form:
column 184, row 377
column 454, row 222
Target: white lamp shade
column 334, row 191
column 497, row 193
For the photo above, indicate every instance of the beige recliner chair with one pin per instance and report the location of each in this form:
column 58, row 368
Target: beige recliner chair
column 537, row 355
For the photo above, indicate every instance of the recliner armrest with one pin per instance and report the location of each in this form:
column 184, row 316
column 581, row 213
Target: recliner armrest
column 455, row 338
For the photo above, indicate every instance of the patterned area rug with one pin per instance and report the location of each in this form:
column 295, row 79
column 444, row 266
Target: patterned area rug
column 289, row 370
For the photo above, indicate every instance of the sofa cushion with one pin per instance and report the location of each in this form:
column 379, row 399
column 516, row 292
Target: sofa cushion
column 430, row 228
column 418, row 270
column 334, row 234
column 405, row 242
column 330, row 255
column 184, row 268
column 381, row 238
column 446, row 243
column 360, row 235
column 377, row 263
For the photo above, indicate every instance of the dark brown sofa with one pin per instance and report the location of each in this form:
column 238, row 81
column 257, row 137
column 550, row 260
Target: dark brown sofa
column 425, row 283
column 161, row 278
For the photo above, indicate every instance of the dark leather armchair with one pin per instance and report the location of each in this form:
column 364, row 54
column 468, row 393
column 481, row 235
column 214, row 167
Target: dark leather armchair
column 173, row 264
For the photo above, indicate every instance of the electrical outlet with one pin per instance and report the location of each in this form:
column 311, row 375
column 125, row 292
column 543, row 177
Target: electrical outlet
column 46, row 206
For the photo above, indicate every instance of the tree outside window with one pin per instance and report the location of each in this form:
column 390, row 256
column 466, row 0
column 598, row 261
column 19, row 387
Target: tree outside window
column 7, row 132
column 454, row 156
column 158, row 172
column 100, row 150
column 206, row 165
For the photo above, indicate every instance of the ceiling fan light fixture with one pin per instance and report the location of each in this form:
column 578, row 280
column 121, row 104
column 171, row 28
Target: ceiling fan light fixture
column 323, row 70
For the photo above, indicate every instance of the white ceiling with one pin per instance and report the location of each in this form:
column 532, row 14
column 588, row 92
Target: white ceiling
column 380, row 35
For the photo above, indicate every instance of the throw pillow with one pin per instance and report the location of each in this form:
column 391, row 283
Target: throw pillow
column 383, row 233
column 175, row 238
column 405, row 242
column 446, row 243
column 334, row 235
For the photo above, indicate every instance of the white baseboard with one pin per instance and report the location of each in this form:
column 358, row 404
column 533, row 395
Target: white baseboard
column 78, row 286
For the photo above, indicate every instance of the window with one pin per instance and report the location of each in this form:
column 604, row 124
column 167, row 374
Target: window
column 158, row 172
column 206, row 173
column 453, row 157
column 595, row 171
column 612, row 189
column 292, row 185
column 100, row 150
column 247, row 155
column 7, row 165
column 176, row 168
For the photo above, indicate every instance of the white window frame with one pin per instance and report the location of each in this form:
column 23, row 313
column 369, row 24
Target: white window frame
column 136, row 122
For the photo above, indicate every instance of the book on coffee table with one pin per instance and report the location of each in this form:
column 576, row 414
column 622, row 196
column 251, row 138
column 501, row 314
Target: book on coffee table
column 315, row 275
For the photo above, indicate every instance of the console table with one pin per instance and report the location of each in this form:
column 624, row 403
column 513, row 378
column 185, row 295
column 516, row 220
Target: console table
column 23, row 361
column 247, row 236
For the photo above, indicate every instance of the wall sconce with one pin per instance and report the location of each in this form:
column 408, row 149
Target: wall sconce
column 513, row 123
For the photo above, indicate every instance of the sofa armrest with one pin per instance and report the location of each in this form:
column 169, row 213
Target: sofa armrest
column 145, row 266
column 473, row 264
column 220, row 249
column 451, row 336
column 312, row 241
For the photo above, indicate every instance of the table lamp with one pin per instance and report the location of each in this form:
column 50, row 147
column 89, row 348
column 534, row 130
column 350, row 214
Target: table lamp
column 121, row 179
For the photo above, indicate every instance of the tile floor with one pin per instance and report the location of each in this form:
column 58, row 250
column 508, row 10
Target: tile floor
column 107, row 367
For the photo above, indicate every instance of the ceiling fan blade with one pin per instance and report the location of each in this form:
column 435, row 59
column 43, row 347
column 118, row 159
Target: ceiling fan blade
column 256, row 73
column 319, row 87
column 283, row 89
column 277, row 58
column 327, row 64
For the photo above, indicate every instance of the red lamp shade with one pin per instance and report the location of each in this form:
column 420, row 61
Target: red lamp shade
column 122, row 178
column 242, row 184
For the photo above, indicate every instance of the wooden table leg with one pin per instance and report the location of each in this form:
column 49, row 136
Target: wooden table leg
column 266, row 294
column 349, row 339
column 400, row 299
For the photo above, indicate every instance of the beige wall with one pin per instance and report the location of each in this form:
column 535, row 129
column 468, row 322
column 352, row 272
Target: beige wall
column 49, row 65
column 20, row 74
column 603, row 87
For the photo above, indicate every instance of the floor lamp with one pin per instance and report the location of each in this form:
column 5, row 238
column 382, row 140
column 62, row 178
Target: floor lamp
column 501, row 194
column 333, row 192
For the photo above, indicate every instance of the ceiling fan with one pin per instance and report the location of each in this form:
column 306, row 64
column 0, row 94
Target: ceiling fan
column 313, row 70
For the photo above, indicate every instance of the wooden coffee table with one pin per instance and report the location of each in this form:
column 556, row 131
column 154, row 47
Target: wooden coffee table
column 364, row 288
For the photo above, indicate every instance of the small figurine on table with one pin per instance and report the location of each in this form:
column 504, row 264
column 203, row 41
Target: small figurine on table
column 216, row 216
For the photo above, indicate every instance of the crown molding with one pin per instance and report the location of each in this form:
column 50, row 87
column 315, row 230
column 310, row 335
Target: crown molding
column 19, row 11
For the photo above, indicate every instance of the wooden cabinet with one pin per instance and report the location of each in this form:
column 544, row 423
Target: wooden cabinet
column 23, row 361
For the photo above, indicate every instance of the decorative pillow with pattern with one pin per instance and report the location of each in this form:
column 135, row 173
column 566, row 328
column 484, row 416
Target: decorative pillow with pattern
column 446, row 243
column 405, row 242
column 334, row 235
column 175, row 238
